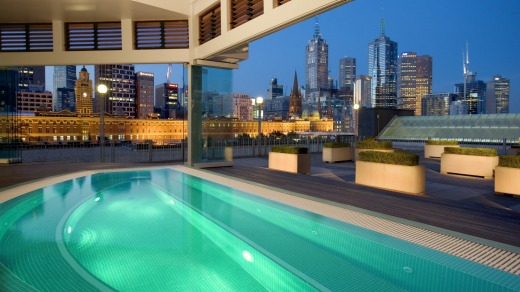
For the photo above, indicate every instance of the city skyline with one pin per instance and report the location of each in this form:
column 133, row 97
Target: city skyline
column 437, row 30
column 492, row 41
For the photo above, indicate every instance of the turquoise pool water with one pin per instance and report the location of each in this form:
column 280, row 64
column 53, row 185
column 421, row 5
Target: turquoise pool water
column 164, row 230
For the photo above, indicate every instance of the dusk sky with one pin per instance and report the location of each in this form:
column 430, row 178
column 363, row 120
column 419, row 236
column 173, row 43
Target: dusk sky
column 437, row 28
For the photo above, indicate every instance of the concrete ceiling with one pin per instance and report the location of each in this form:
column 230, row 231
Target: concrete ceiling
column 45, row 11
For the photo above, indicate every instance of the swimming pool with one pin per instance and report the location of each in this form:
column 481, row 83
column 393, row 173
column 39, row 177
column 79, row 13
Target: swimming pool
column 166, row 230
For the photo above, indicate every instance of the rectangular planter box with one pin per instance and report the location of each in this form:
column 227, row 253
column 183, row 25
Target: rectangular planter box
column 435, row 151
column 469, row 165
column 356, row 151
column 295, row 163
column 400, row 178
column 507, row 180
column 338, row 154
column 228, row 153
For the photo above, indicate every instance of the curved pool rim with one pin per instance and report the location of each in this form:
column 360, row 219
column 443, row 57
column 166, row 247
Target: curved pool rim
column 429, row 236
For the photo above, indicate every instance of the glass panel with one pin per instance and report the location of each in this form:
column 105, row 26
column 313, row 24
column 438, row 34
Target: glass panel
column 10, row 125
column 217, row 111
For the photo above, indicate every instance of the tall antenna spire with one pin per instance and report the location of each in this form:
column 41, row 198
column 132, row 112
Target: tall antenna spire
column 465, row 63
column 169, row 73
column 467, row 54
column 382, row 26
column 316, row 28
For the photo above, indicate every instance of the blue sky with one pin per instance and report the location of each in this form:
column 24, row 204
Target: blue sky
column 438, row 28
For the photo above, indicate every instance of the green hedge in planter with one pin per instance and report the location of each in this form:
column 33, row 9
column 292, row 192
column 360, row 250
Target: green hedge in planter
column 471, row 151
column 442, row 142
column 372, row 144
column 399, row 158
column 289, row 149
column 512, row 161
column 336, row 145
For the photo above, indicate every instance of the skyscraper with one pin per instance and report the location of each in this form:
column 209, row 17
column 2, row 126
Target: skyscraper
column 274, row 89
column 382, row 68
column 144, row 94
column 497, row 95
column 295, row 100
column 29, row 76
column 438, row 104
column 347, row 78
column 475, row 101
column 120, row 81
column 362, row 91
column 64, row 78
column 414, row 80
column 317, row 66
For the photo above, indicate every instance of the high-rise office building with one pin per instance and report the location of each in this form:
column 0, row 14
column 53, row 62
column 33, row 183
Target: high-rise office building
column 274, row 89
column 317, row 66
column 144, row 94
column 362, row 91
column 414, row 80
column 347, row 78
column 167, row 100
column 438, row 104
column 83, row 92
column 64, row 78
column 497, row 95
column 382, row 68
column 30, row 76
column 276, row 108
column 295, row 100
column 475, row 101
column 120, row 81
column 242, row 107
column 30, row 102
column 424, row 79
column 65, row 99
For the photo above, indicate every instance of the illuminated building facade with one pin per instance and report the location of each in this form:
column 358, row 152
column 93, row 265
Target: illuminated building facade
column 144, row 93
column 317, row 66
column 347, row 78
column 120, row 81
column 83, row 92
column 382, row 68
column 64, row 79
column 29, row 101
column 438, row 104
column 475, row 101
column 497, row 95
column 414, row 80
column 73, row 129
column 274, row 89
column 242, row 107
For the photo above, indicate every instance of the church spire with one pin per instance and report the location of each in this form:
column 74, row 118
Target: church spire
column 295, row 84
column 295, row 100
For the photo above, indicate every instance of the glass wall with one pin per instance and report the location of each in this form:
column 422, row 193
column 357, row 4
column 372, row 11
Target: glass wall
column 10, row 125
column 216, row 111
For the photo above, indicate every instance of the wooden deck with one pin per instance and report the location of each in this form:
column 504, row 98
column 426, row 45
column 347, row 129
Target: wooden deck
column 481, row 215
column 462, row 205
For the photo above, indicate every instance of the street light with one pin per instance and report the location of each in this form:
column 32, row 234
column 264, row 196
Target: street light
column 102, row 89
column 259, row 101
column 355, row 120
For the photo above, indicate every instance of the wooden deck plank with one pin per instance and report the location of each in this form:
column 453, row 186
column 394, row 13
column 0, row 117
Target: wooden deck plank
column 489, row 223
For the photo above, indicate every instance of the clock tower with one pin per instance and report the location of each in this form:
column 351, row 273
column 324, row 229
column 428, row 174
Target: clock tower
column 83, row 90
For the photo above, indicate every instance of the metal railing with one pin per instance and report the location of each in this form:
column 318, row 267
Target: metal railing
column 126, row 152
